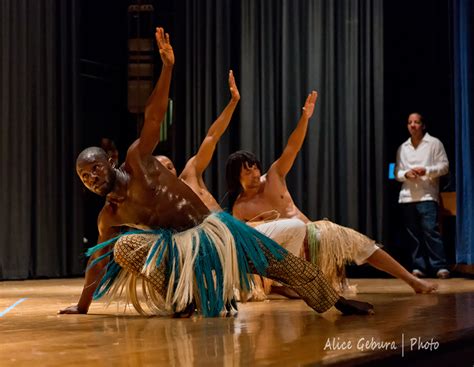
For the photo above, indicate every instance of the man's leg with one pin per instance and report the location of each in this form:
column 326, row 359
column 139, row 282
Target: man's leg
column 290, row 234
column 308, row 281
column 434, row 244
column 383, row 261
column 414, row 235
column 130, row 253
column 305, row 278
column 356, row 247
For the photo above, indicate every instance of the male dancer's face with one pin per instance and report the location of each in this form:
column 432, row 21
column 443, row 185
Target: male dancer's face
column 250, row 176
column 97, row 174
column 165, row 161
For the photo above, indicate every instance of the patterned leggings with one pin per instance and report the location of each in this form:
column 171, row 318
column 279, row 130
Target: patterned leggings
column 304, row 278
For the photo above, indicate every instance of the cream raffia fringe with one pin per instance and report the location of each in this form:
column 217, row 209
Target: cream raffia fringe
column 331, row 247
column 177, row 298
column 137, row 291
column 336, row 246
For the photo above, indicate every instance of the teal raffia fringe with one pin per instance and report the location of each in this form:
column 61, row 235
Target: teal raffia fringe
column 219, row 243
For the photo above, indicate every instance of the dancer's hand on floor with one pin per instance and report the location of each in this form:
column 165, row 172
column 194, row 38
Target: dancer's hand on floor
column 74, row 309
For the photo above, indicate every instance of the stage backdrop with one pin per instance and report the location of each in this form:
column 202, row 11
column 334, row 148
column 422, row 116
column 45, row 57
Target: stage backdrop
column 40, row 210
column 280, row 51
column 464, row 97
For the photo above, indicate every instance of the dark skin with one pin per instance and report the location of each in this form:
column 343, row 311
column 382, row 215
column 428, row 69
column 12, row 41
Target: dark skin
column 143, row 193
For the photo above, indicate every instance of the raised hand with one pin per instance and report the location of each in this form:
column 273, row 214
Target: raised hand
column 234, row 91
column 309, row 104
column 164, row 45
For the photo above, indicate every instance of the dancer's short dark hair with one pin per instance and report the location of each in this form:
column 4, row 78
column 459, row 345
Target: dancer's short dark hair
column 233, row 167
column 90, row 154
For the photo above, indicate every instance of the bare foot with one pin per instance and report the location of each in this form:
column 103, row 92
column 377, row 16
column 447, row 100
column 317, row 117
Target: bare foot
column 352, row 307
column 257, row 294
column 423, row 286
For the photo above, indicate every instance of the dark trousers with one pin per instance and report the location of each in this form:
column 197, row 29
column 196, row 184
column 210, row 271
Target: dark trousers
column 421, row 223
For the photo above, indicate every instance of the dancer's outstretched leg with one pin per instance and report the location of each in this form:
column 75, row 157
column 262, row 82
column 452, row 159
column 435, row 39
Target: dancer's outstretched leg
column 337, row 245
column 308, row 281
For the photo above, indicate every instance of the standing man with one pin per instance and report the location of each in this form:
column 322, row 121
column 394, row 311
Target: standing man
column 421, row 160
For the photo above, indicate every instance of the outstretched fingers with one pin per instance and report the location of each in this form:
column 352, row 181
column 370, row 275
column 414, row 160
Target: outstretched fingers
column 233, row 86
column 164, row 45
column 159, row 37
column 310, row 103
column 312, row 97
column 162, row 38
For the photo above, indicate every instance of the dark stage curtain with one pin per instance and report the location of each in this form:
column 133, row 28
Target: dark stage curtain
column 40, row 211
column 284, row 49
column 279, row 51
column 464, row 116
column 335, row 47
column 207, row 36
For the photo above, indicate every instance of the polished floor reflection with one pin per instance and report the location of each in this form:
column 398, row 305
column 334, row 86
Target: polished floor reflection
column 276, row 332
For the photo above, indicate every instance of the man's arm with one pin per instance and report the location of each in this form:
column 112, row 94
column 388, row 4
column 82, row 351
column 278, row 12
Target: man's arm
column 93, row 274
column 441, row 167
column 402, row 173
column 157, row 104
column 283, row 164
column 198, row 164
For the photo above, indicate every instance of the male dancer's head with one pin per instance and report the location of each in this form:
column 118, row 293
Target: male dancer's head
column 165, row 161
column 243, row 171
column 96, row 170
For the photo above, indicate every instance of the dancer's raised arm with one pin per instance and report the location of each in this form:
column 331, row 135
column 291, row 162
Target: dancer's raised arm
column 197, row 164
column 157, row 104
column 283, row 164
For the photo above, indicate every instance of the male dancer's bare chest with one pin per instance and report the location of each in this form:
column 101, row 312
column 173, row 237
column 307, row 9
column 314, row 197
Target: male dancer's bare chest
column 157, row 204
column 272, row 203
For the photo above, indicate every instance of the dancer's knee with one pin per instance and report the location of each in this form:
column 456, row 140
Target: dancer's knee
column 128, row 252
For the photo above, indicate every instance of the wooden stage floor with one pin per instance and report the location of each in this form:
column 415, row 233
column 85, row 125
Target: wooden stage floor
column 278, row 332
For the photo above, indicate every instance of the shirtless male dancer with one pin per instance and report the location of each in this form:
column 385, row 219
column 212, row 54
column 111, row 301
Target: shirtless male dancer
column 256, row 195
column 289, row 233
column 192, row 254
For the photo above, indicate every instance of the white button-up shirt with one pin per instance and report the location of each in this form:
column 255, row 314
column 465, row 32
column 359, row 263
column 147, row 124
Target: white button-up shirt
column 429, row 154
